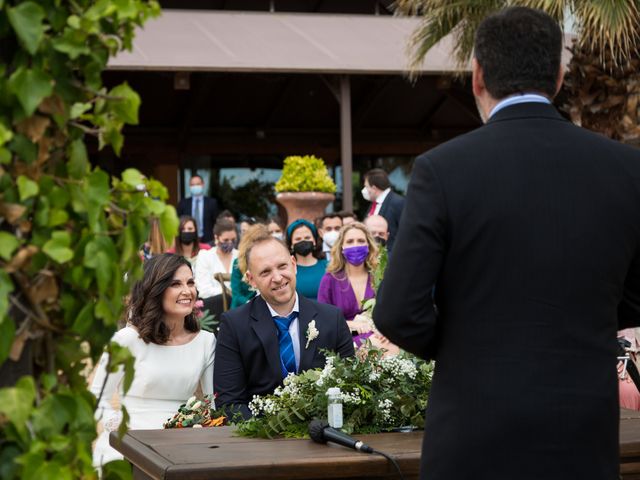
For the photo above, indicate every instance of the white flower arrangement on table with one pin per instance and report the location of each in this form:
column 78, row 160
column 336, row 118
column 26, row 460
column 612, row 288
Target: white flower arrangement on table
column 312, row 333
column 378, row 394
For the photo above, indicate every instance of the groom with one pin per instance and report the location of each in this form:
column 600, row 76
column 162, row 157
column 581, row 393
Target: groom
column 276, row 333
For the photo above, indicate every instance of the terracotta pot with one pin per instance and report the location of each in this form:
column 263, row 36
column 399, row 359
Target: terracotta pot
column 307, row 205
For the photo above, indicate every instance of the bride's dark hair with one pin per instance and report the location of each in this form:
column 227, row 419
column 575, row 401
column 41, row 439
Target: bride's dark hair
column 145, row 306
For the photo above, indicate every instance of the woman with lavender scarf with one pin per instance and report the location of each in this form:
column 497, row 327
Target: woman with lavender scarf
column 348, row 281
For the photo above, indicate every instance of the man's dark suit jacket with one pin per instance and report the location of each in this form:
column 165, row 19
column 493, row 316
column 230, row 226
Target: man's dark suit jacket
column 391, row 210
column 247, row 354
column 529, row 228
column 209, row 214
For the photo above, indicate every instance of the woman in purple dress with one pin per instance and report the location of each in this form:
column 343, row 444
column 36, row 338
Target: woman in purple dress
column 348, row 281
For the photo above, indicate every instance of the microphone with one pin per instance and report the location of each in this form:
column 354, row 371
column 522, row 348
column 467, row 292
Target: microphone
column 321, row 432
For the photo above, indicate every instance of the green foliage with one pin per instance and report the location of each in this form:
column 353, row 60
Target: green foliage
column 69, row 234
column 379, row 394
column 251, row 199
column 305, row 174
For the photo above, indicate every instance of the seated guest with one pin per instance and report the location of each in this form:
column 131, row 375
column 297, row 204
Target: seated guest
column 216, row 260
column 329, row 229
column 276, row 227
column 187, row 243
column 155, row 245
column 378, row 228
column 277, row 333
column 173, row 357
column 627, row 389
column 348, row 281
column 302, row 238
column 348, row 217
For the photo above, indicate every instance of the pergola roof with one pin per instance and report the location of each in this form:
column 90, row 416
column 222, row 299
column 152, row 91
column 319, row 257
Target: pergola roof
column 198, row 40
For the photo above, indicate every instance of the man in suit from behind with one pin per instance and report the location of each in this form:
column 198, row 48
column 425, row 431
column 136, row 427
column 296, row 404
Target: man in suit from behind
column 204, row 209
column 384, row 201
column 276, row 333
column 529, row 229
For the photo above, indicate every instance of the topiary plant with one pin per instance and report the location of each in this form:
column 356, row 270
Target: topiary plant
column 305, row 174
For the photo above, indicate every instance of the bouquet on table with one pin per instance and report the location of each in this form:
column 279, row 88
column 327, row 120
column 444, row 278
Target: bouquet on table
column 378, row 394
column 195, row 413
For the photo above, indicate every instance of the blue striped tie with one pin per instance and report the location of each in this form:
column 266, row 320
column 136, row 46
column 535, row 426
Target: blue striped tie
column 287, row 356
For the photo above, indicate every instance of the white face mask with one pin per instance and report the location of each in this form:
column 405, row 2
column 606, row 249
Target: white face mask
column 365, row 194
column 330, row 238
column 277, row 235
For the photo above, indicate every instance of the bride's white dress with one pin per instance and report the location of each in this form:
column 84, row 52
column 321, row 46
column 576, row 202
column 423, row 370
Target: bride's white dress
column 165, row 377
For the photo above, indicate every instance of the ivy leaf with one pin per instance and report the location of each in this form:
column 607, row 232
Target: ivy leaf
column 27, row 188
column 26, row 20
column 78, row 164
column 6, row 287
column 58, row 247
column 78, row 109
column 8, row 244
column 132, row 177
column 5, row 156
column 169, row 223
column 17, row 402
column 84, row 320
column 5, row 134
column 31, row 87
column 127, row 105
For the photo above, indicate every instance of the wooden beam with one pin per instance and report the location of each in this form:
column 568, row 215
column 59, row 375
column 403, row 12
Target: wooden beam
column 346, row 153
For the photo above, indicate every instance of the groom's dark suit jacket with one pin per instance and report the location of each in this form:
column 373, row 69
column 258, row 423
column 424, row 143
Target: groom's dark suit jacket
column 529, row 228
column 247, row 354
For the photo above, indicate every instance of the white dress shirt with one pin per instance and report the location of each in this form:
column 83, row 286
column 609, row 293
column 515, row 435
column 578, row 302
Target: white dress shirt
column 379, row 201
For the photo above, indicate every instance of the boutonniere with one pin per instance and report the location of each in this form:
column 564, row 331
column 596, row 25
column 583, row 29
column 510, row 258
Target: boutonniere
column 312, row 333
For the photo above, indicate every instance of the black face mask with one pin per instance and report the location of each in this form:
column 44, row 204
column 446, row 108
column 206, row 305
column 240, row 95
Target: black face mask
column 303, row 248
column 188, row 237
column 381, row 241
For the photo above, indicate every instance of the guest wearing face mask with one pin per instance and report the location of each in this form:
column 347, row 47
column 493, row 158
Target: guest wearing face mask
column 275, row 227
column 302, row 239
column 216, row 260
column 202, row 208
column 187, row 243
column 348, row 281
column 378, row 228
column 329, row 230
column 384, row 201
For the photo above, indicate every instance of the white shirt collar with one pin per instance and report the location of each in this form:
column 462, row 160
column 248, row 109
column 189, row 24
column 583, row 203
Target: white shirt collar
column 519, row 98
column 295, row 308
column 382, row 196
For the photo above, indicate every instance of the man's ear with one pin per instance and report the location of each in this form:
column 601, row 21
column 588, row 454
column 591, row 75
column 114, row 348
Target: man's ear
column 250, row 279
column 477, row 78
column 295, row 265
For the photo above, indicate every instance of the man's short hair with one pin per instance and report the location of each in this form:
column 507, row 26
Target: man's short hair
column 330, row 215
column 195, row 175
column 378, row 178
column 255, row 235
column 519, row 50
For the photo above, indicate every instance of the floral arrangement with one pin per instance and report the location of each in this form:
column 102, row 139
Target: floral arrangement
column 378, row 393
column 305, row 174
column 195, row 413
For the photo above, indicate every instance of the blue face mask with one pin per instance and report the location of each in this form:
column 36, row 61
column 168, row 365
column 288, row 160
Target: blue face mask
column 196, row 190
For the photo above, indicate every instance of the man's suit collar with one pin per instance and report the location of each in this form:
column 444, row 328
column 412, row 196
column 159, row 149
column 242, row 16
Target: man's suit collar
column 266, row 331
column 526, row 110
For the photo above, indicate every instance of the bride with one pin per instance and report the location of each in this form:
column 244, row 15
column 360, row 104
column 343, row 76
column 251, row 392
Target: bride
column 172, row 355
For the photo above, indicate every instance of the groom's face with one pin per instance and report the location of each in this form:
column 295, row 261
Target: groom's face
column 272, row 271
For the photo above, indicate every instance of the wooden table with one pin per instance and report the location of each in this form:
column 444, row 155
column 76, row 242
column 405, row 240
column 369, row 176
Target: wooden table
column 215, row 453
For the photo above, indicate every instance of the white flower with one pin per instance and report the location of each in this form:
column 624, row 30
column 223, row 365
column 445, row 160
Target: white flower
column 312, row 333
column 197, row 425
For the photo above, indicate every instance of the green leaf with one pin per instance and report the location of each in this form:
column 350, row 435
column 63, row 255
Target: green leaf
column 17, row 402
column 26, row 150
column 99, row 197
column 169, row 223
column 5, row 134
column 5, row 156
column 126, row 107
column 111, row 136
column 58, row 247
column 103, row 310
column 132, row 177
column 7, row 331
column 26, row 20
column 6, row 287
column 73, row 47
column 31, row 87
column 78, row 165
column 78, row 109
column 84, row 320
column 27, row 188
column 8, row 244
column 57, row 217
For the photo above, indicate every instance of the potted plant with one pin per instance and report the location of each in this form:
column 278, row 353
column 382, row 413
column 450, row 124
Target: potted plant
column 305, row 187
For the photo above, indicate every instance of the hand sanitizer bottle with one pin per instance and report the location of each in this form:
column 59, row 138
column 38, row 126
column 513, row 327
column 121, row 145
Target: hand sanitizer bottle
column 334, row 407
